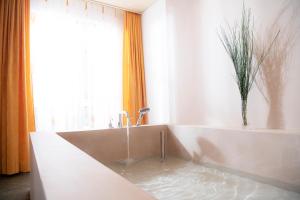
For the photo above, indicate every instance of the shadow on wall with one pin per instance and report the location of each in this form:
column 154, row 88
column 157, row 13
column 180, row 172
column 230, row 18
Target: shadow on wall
column 204, row 151
column 210, row 151
column 273, row 72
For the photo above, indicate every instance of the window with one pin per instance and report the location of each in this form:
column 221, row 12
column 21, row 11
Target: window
column 76, row 60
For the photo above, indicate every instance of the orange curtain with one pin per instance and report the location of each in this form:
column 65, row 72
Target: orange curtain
column 16, row 102
column 134, row 88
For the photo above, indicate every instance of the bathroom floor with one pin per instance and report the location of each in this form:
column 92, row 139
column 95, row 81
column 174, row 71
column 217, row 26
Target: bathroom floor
column 15, row 187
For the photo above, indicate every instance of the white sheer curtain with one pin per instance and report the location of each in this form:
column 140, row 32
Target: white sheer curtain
column 76, row 58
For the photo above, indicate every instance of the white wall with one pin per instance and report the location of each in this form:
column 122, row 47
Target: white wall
column 154, row 39
column 201, row 85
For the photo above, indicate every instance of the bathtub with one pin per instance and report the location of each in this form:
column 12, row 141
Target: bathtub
column 85, row 164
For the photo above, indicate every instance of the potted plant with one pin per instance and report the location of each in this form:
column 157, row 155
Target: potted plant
column 238, row 42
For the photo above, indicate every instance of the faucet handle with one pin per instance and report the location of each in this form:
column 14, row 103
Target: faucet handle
column 110, row 123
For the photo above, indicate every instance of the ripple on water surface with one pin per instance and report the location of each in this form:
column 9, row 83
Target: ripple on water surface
column 176, row 179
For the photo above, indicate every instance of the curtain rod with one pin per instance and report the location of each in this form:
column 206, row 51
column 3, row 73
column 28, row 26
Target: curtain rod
column 111, row 6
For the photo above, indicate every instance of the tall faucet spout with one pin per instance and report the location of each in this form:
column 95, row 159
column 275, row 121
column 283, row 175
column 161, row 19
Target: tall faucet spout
column 120, row 124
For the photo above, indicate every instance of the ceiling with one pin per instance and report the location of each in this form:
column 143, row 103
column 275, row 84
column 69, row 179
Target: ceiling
column 138, row 6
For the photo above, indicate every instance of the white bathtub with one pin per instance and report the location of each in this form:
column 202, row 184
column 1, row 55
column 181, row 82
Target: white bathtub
column 73, row 169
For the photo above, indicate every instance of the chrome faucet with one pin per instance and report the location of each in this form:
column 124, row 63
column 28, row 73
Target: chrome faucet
column 120, row 123
column 142, row 112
